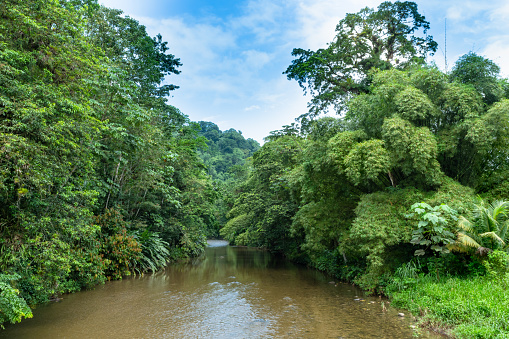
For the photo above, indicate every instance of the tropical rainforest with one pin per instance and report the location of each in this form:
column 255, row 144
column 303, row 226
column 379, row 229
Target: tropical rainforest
column 404, row 193
column 99, row 176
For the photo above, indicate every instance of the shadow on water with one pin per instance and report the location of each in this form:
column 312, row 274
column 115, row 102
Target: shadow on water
column 230, row 292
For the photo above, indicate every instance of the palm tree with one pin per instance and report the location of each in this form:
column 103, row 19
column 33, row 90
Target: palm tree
column 488, row 232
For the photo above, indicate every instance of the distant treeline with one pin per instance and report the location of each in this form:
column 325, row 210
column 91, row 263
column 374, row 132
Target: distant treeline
column 226, row 152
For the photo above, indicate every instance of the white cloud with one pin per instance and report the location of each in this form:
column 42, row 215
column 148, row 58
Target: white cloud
column 480, row 27
column 497, row 50
column 500, row 13
column 260, row 18
column 256, row 59
column 252, row 108
column 199, row 43
column 316, row 20
column 465, row 10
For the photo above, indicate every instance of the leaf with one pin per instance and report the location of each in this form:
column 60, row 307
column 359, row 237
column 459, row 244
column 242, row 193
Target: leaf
column 431, row 217
column 422, row 223
column 436, row 248
column 419, row 252
column 420, row 210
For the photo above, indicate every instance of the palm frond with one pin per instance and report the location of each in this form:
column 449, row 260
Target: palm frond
column 466, row 240
column 457, row 247
column 503, row 230
column 499, row 208
column 465, row 225
column 493, row 236
column 492, row 223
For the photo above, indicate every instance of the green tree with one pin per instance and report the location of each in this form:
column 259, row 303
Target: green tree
column 431, row 126
column 126, row 43
column 263, row 209
column 364, row 41
column 14, row 308
column 93, row 161
column 480, row 72
column 224, row 150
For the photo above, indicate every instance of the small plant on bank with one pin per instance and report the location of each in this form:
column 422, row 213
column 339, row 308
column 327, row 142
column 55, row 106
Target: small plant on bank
column 497, row 266
column 405, row 277
column 155, row 252
column 434, row 228
column 120, row 250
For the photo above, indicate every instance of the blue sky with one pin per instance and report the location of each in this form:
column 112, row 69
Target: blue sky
column 234, row 52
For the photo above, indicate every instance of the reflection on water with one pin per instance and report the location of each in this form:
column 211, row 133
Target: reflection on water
column 230, row 292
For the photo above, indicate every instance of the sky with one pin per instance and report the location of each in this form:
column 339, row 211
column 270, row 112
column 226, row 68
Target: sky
column 234, row 53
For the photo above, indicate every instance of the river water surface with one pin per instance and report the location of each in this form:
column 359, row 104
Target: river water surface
column 230, row 292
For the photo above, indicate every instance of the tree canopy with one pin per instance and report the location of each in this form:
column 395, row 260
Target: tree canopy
column 382, row 39
column 226, row 151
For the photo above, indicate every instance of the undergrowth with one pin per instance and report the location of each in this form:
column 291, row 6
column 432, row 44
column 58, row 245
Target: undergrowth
column 466, row 307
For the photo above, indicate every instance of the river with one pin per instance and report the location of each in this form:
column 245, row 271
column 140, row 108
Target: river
column 230, row 292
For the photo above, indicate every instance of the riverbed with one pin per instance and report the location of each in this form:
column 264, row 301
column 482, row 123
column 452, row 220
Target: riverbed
column 230, row 292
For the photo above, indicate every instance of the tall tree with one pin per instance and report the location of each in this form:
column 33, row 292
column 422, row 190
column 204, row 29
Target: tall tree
column 480, row 72
column 365, row 40
column 127, row 44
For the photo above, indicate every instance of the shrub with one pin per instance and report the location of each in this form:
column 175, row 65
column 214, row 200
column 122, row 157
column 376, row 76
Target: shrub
column 497, row 265
column 13, row 308
column 120, row 250
column 434, row 228
column 155, row 252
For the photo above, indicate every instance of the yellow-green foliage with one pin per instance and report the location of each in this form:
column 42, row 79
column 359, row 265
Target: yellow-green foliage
column 380, row 224
column 367, row 161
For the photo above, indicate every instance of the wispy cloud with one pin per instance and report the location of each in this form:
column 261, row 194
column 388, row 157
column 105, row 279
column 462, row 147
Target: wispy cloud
column 316, row 20
column 252, row 108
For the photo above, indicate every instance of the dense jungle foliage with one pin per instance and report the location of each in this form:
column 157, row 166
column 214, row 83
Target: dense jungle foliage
column 99, row 176
column 405, row 193
column 407, row 190
column 226, row 157
column 226, row 152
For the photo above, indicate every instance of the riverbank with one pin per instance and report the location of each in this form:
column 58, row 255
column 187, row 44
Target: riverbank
column 475, row 307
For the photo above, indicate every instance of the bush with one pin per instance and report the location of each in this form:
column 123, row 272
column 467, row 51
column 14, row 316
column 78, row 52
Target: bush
column 120, row 250
column 13, row 308
column 88, row 267
column 497, row 266
column 155, row 252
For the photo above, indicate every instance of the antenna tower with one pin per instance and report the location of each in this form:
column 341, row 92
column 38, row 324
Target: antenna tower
column 445, row 52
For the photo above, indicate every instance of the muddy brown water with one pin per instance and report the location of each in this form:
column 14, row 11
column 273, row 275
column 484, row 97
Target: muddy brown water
column 230, row 292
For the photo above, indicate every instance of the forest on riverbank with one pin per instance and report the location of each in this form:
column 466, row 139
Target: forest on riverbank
column 405, row 192
column 100, row 177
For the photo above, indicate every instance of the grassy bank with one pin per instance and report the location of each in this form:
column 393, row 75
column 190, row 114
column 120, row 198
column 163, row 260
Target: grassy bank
column 475, row 307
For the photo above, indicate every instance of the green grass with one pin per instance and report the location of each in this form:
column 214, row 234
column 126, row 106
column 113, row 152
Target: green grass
column 475, row 307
